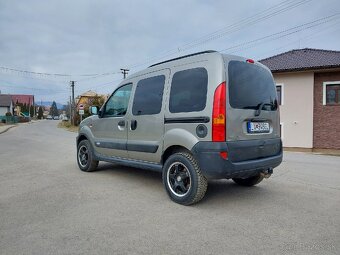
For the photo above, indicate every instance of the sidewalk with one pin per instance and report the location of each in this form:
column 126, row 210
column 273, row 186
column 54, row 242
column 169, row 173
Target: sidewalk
column 4, row 128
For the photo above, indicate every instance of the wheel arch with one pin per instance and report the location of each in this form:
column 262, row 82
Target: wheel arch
column 173, row 149
column 176, row 140
column 81, row 137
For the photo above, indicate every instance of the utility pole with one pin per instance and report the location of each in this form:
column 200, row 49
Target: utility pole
column 124, row 72
column 72, row 104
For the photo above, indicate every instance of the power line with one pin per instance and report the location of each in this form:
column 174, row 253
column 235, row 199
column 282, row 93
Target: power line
column 315, row 34
column 13, row 85
column 273, row 36
column 246, row 22
column 7, row 69
column 287, row 32
column 103, row 84
column 263, row 15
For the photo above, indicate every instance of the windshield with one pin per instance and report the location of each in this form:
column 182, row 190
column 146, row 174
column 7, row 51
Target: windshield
column 251, row 87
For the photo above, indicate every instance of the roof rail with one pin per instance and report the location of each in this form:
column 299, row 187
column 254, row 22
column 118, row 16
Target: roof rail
column 186, row 56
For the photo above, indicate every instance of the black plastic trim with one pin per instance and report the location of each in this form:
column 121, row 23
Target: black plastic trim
column 186, row 56
column 245, row 158
column 150, row 148
column 203, row 119
column 111, row 145
column 130, row 163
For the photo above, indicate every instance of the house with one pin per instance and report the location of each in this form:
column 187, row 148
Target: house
column 308, row 87
column 20, row 100
column 6, row 104
column 89, row 98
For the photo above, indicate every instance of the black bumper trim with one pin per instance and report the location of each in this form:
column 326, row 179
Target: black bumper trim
column 255, row 160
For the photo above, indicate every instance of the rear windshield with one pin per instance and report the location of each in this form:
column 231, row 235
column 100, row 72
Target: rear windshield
column 251, row 87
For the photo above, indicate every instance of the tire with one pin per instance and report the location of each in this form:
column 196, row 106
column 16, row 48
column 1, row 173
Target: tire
column 85, row 159
column 251, row 181
column 183, row 179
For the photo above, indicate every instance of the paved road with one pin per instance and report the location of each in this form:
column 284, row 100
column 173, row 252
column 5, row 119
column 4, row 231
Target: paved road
column 48, row 206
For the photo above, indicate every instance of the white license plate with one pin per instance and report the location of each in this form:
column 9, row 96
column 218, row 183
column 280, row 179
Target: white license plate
column 258, row 127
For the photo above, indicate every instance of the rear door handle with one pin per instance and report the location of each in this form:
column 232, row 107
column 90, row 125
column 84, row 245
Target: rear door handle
column 121, row 123
column 133, row 124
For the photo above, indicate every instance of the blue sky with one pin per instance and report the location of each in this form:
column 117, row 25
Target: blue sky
column 100, row 37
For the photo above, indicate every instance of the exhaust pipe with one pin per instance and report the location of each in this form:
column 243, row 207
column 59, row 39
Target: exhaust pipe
column 267, row 172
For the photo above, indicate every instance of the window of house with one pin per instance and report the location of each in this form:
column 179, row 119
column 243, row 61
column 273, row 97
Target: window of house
column 148, row 96
column 189, row 90
column 279, row 94
column 331, row 92
column 118, row 103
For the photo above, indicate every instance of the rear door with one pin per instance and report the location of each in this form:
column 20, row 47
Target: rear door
column 252, row 111
column 146, row 118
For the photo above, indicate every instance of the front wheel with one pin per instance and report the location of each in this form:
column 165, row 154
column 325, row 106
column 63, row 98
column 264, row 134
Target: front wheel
column 183, row 179
column 250, row 181
column 85, row 159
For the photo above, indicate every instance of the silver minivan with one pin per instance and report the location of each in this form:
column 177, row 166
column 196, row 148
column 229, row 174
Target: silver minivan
column 198, row 117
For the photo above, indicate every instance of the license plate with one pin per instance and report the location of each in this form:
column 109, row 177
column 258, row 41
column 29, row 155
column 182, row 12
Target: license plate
column 258, row 127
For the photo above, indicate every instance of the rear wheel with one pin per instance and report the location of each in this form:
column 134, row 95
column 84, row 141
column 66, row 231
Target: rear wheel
column 183, row 179
column 251, row 181
column 85, row 159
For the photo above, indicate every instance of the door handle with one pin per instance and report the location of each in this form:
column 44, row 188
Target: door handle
column 133, row 124
column 121, row 123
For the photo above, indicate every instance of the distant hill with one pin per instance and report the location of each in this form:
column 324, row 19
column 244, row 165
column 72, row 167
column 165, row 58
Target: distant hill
column 49, row 103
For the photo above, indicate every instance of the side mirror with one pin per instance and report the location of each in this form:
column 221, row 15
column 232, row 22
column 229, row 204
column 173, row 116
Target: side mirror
column 94, row 110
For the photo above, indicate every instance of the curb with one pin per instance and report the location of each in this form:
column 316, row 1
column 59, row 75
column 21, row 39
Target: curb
column 6, row 129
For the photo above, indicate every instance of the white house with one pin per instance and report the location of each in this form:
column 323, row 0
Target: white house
column 6, row 104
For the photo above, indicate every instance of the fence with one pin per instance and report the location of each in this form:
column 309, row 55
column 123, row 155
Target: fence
column 10, row 119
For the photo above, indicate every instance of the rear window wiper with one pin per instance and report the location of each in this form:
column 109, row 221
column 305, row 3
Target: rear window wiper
column 260, row 107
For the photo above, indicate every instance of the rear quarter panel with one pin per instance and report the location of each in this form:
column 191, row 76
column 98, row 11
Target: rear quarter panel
column 184, row 134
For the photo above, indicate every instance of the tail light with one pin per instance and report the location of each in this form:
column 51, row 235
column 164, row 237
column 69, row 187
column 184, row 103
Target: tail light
column 219, row 114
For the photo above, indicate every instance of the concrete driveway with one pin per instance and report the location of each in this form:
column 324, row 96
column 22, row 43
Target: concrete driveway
column 48, row 206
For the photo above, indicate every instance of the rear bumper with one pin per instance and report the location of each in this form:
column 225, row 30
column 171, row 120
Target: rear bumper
column 245, row 158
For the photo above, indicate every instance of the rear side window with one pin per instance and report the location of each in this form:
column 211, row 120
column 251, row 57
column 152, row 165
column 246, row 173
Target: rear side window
column 189, row 90
column 251, row 87
column 148, row 96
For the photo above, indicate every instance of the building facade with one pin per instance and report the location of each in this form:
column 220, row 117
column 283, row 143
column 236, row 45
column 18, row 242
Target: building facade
column 308, row 86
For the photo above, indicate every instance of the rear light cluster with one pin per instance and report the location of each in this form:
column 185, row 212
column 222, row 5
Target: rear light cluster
column 219, row 114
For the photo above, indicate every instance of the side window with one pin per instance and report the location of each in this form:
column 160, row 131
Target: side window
column 148, row 96
column 189, row 90
column 118, row 103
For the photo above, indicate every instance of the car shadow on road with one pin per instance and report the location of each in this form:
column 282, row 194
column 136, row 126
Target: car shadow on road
column 228, row 192
column 219, row 191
